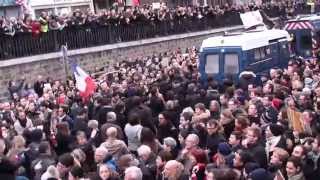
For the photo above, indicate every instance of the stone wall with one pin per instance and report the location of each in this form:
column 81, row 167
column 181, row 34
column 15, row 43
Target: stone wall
column 51, row 65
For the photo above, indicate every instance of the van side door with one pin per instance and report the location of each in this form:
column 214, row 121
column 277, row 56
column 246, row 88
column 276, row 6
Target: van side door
column 284, row 54
column 231, row 61
column 210, row 64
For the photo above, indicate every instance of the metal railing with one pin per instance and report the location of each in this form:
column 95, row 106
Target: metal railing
column 24, row 44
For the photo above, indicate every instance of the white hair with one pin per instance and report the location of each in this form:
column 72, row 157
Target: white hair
column 188, row 110
column 194, row 137
column 52, row 172
column 102, row 149
column 144, row 150
column 133, row 173
column 111, row 116
column 93, row 124
column 169, row 141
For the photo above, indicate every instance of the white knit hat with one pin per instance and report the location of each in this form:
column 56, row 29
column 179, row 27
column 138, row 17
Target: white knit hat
column 52, row 172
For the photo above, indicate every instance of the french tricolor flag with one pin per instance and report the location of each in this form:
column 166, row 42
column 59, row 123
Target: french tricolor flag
column 84, row 83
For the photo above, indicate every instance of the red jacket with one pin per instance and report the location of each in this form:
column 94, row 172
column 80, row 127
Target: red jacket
column 35, row 28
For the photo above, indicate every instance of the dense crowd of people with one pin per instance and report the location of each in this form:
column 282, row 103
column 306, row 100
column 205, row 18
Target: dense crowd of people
column 134, row 15
column 152, row 118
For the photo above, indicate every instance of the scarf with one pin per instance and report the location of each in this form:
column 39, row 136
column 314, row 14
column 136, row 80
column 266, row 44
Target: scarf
column 299, row 176
column 271, row 144
column 23, row 122
column 314, row 157
column 294, row 120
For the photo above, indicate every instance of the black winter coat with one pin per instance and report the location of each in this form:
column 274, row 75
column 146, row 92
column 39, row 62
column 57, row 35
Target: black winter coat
column 258, row 153
column 167, row 131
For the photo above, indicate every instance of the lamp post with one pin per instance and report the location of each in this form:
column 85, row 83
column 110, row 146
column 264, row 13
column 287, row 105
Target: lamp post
column 54, row 7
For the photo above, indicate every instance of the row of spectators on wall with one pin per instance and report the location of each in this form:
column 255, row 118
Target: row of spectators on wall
column 133, row 15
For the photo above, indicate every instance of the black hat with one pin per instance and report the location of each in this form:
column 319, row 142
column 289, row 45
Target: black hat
column 276, row 129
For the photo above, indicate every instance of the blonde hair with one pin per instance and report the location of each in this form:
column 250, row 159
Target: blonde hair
column 18, row 142
column 283, row 154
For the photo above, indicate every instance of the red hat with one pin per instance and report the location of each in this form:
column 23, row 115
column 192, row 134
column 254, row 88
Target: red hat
column 277, row 103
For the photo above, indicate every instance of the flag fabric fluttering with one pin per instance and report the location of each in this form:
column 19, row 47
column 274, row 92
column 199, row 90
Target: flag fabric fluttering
column 251, row 18
column 84, row 83
column 20, row 2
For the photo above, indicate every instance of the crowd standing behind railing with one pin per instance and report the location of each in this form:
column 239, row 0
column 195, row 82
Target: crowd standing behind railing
column 27, row 36
column 131, row 15
column 114, row 17
column 81, row 30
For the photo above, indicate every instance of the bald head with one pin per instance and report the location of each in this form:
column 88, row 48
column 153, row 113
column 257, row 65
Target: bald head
column 173, row 169
column 112, row 132
column 172, row 164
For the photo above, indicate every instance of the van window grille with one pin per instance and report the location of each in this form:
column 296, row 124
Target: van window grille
column 212, row 64
column 231, row 64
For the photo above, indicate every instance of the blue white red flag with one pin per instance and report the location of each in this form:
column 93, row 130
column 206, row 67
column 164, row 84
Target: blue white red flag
column 20, row 2
column 84, row 83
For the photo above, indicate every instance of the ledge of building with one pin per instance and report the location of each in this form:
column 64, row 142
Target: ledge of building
column 41, row 57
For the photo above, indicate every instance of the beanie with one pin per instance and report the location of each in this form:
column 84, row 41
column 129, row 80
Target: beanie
column 260, row 174
column 277, row 103
column 224, row 148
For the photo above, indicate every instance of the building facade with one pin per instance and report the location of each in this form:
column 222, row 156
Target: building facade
column 9, row 8
column 59, row 6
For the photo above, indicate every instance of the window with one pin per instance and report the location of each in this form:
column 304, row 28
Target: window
column 306, row 42
column 257, row 54
column 231, row 64
column 261, row 53
column 212, row 64
column 82, row 7
column 268, row 50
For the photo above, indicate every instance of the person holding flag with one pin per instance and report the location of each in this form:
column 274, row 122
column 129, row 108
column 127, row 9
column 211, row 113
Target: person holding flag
column 84, row 83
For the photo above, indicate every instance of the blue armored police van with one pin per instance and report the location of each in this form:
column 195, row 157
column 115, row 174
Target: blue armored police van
column 304, row 31
column 228, row 55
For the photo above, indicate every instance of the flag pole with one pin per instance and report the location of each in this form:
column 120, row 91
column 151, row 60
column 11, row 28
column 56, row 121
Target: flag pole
column 64, row 50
